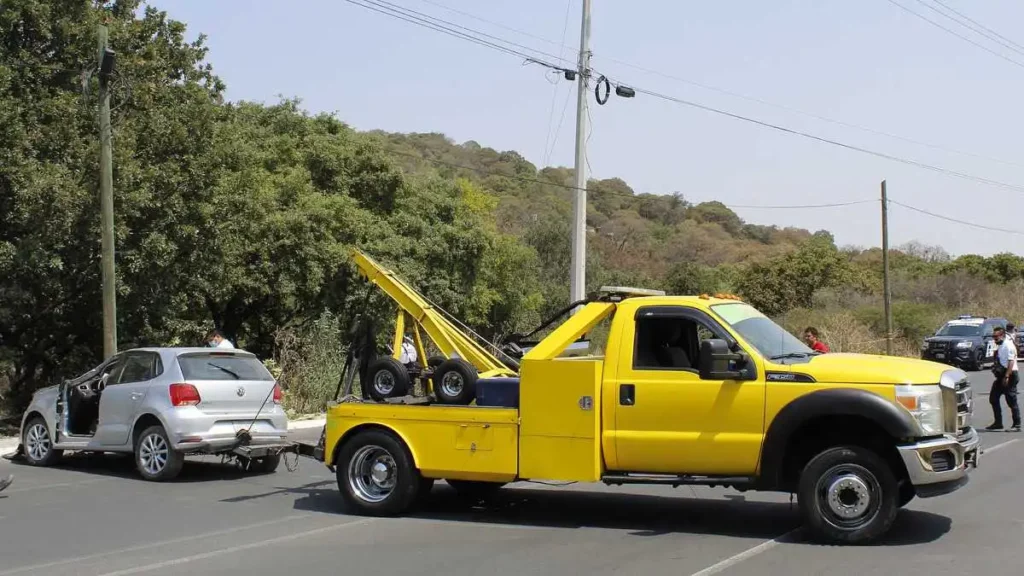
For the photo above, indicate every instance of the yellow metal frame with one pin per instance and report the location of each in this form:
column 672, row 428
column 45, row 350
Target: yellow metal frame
column 421, row 314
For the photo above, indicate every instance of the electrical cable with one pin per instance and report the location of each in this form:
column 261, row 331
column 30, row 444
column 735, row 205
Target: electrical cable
column 973, row 26
column 726, row 92
column 411, row 17
column 868, row 151
column 957, row 34
column 954, row 220
column 549, row 144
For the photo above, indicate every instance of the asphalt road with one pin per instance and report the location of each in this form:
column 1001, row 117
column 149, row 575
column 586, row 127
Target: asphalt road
column 92, row 516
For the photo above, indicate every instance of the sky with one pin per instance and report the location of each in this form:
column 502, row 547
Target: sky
column 864, row 63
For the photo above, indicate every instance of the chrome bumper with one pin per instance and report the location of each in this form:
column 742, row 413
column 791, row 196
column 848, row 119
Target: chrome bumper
column 941, row 461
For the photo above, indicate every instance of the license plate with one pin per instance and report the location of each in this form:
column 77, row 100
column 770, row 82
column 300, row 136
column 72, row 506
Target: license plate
column 939, row 355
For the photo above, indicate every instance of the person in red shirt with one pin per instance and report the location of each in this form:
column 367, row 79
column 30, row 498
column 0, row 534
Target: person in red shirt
column 812, row 339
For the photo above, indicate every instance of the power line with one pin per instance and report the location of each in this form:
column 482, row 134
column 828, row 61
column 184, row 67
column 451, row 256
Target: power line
column 762, row 123
column 549, row 145
column 726, row 92
column 970, row 27
column 957, row 34
column 954, row 220
column 978, row 24
column 387, row 11
column 808, row 135
column 444, row 26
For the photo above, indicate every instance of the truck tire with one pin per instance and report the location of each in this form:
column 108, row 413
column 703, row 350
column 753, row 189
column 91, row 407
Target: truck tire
column 848, row 495
column 387, row 378
column 907, row 493
column 37, row 443
column 455, row 382
column 377, row 475
column 435, row 361
column 475, row 491
column 155, row 458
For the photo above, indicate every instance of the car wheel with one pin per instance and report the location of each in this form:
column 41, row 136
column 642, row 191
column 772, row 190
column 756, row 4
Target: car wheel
column 155, row 458
column 37, row 444
column 376, row 475
column 848, row 495
column 455, row 382
column 387, row 378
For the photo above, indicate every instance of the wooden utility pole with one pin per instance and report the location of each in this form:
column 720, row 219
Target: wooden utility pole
column 105, row 63
column 886, row 292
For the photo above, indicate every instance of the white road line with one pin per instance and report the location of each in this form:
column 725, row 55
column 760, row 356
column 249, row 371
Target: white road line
column 234, row 549
column 998, row 446
column 158, row 544
column 48, row 486
column 746, row 554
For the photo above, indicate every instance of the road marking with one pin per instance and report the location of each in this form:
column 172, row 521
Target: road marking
column 234, row 549
column 998, row 446
column 61, row 485
column 88, row 557
column 746, row 554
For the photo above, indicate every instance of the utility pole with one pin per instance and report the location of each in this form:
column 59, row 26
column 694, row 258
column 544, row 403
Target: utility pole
column 578, row 277
column 105, row 65
column 886, row 292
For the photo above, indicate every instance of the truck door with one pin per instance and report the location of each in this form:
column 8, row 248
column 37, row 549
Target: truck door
column 667, row 419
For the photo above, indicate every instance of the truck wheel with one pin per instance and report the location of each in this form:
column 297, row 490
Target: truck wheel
column 907, row 493
column 848, row 495
column 155, row 458
column 38, row 444
column 455, row 382
column 435, row 361
column 475, row 490
column 388, row 378
column 376, row 475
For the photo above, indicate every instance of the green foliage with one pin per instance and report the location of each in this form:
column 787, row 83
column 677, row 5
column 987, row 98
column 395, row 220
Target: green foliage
column 308, row 363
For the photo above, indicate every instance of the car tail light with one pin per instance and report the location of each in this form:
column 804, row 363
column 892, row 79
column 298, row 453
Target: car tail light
column 278, row 394
column 184, row 395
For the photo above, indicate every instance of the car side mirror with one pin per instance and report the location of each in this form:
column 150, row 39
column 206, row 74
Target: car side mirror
column 718, row 362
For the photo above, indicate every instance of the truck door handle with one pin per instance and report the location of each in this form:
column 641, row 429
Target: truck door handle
column 627, row 394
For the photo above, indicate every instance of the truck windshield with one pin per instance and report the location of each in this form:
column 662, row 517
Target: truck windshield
column 770, row 339
column 959, row 329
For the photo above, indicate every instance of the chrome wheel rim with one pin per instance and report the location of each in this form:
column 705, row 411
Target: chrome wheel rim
column 452, row 383
column 384, row 382
column 37, row 442
column 153, row 452
column 372, row 474
column 849, row 496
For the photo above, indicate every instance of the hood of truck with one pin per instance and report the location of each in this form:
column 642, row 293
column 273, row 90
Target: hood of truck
column 869, row 369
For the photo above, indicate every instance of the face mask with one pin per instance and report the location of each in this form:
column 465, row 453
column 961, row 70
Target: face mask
column 211, row 344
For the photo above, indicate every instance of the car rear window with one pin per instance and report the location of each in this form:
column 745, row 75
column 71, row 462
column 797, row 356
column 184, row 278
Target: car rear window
column 221, row 366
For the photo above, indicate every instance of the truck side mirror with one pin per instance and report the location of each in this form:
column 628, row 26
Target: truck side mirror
column 717, row 362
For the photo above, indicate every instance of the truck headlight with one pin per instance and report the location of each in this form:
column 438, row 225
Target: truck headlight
column 963, row 344
column 925, row 404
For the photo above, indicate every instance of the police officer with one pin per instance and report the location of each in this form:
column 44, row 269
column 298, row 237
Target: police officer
column 1007, row 377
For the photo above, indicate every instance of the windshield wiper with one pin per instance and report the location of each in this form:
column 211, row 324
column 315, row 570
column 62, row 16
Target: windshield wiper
column 228, row 370
column 792, row 355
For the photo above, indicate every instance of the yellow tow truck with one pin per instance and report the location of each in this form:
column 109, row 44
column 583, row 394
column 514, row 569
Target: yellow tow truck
column 690, row 390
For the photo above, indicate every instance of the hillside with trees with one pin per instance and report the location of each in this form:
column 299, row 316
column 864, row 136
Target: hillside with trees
column 241, row 215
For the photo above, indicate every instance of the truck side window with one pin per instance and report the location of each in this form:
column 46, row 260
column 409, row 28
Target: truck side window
column 669, row 344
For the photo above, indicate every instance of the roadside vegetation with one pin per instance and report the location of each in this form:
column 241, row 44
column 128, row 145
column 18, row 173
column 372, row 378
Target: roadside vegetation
column 240, row 215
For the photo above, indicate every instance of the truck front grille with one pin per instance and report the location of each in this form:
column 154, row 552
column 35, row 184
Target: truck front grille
column 964, row 405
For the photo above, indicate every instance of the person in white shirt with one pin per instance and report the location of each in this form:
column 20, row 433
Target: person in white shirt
column 217, row 340
column 1007, row 376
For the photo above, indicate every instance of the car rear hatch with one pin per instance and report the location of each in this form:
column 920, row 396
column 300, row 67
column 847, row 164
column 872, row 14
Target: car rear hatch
column 230, row 383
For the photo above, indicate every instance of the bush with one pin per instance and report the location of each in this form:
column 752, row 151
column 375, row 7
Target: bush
column 308, row 363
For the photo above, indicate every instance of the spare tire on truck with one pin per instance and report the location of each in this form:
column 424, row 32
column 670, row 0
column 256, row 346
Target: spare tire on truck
column 386, row 378
column 455, row 382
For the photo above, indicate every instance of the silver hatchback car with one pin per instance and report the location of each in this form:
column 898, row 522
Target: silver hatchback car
column 161, row 404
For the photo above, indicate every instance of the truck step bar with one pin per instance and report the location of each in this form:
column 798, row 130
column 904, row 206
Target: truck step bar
column 738, row 482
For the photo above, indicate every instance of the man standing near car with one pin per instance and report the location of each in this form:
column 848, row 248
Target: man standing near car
column 217, row 340
column 1007, row 377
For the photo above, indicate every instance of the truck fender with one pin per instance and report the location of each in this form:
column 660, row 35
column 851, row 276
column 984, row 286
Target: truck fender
column 351, row 432
column 896, row 422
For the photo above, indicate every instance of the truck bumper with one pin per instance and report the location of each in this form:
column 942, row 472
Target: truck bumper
column 940, row 466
